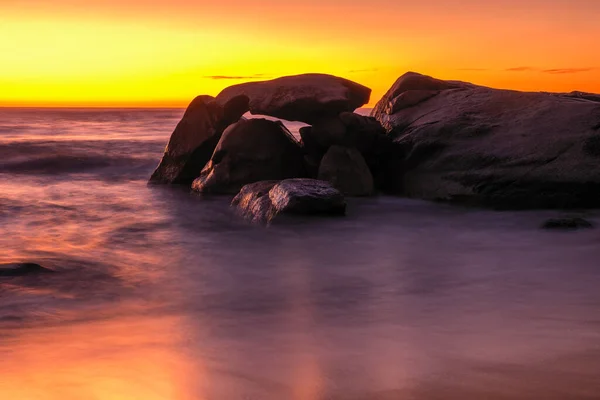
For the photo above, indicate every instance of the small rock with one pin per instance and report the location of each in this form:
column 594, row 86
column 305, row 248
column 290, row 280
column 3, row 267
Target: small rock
column 346, row 170
column 307, row 196
column 22, row 269
column 567, row 223
column 254, row 203
column 263, row 201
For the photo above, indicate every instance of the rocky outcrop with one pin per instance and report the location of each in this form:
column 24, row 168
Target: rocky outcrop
column 307, row 98
column 346, row 170
column 263, row 201
column 249, row 151
column 498, row 148
column 22, row 269
column 567, row 223
column 195, row 138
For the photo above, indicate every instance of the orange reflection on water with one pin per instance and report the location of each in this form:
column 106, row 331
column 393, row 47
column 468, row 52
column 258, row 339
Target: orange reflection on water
column 107, row 360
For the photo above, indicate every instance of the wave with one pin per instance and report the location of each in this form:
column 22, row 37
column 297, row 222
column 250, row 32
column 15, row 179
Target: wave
column 75, row 157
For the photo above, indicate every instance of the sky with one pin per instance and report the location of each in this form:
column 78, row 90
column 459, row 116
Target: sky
column 162, row 53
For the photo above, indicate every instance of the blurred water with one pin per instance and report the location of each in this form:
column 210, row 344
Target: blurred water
column 161, row 294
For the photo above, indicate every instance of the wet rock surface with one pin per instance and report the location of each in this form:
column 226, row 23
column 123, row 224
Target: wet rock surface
column 305, row 98
column 498, row 148
column 263, row 201
column 195, row 138
column 250, row 151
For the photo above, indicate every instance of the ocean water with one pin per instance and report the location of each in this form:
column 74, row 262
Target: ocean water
column 160, row 294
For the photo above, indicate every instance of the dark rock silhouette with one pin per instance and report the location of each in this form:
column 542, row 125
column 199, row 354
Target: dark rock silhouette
column 498, row 148
column 22, row 269
column 249, row 151
column 346, row 170
column 567, row 223
column 305, row 98
column 195, row 138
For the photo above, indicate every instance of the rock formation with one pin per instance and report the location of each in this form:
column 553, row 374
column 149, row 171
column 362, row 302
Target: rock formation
column 499, row 148
column 195, row 138
column 249, row 151
column 305, row 98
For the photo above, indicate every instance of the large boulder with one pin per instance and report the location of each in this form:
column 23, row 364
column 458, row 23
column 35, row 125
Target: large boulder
column 305, row 98
column 249, row 151
column 346, row 170
column 500, row 148
column 263, row 201
column 195, row 138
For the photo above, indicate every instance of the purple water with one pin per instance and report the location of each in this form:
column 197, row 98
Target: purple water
column 161, row 294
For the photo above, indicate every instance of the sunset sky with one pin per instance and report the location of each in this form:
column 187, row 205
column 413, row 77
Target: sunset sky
column 165, row 52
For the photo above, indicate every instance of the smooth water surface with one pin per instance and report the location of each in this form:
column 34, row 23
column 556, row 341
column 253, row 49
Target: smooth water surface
column 161, row 294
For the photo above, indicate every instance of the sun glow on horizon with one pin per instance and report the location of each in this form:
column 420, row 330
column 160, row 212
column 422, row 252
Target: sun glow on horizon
column 126, row 53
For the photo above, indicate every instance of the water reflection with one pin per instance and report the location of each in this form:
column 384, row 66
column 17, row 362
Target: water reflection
column 120, row 359
column 164, row 295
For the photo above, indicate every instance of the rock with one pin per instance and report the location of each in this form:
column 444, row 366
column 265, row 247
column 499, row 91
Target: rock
column 365, row 134
column 567, row 223
column 254, row 203
column 195, row 138
column 307, row 197
column 234, row 109
column 346, row 170
column 305, row 98
column 250, row 151
column 263, row 201
column 498, row 148
column 346, row 129
column 22, row 269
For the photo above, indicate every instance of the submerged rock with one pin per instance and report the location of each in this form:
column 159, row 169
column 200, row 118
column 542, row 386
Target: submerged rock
column 305, row 98
column 499, row 148
column 22, row 269
column 567, row 223
column 195, row 138
column 250, row 151
column 263, row 201
column 346, row 170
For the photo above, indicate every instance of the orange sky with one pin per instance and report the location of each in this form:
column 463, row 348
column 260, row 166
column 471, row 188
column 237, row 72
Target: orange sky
column 165, row 52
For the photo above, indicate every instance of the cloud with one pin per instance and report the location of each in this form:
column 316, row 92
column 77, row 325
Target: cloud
column 553, row 71
column 473, row 69
column 521, row 69
column 567, row 70
column 235, row 77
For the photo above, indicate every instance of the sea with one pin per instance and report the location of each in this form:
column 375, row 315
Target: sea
column 161, row 294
